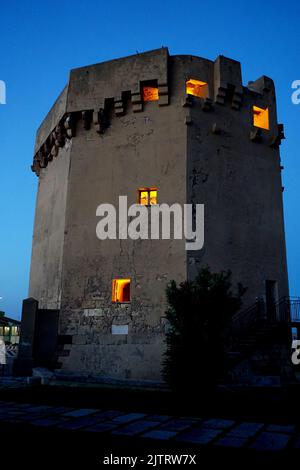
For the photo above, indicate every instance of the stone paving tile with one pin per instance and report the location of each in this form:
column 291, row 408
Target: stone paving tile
column 270, row 441
column 160, row 418
column 228, row 441
column 49, row 421
column 218, row 423
column 160, row 435
column 177, row 425
column 56, row 410
column 78, row 423
column 245, row 430
column 200, row 435
column 281, row 428
column 128, row 418
column 135, row 428
column 108, row 414
column 101, row 427
column 80, row 412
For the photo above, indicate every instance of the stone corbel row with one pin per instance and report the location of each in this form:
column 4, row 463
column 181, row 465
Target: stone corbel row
column 65, row 130
column 100, row 120
column 223, row 91
column 256, row 135
column 221, row 94
column 137, row 99
column 206, row 103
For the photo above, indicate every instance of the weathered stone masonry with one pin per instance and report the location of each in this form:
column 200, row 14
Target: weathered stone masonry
column 101, row 140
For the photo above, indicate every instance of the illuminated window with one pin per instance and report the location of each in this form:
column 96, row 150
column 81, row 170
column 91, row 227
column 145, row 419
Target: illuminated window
column 147, row 196
column 150, row 93
column 121, row 290
column 14, row 330
column 197, row 88
column 261, row 117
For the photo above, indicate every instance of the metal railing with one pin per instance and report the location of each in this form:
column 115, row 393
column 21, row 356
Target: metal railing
column 286, row 310
column 246, row 319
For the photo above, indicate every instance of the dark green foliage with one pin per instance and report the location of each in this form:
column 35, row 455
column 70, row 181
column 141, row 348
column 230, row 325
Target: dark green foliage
column 198, row 313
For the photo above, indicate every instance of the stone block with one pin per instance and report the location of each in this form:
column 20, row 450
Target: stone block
column 246, row 430
column 101, row 427
column 109, row 414
column 200, row 435
column 177, row 425
column 80, row 412
column 160, row 418
column 127, row 418
column 218, row 423
column 231, row 442
column 271, row 441
column 159, row 435
column 281, row 428
column 135, row 428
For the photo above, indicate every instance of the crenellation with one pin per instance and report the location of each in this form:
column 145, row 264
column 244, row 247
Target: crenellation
column 227, row 88
column 207, row 104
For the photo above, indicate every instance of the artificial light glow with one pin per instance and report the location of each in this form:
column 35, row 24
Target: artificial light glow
column 150, row 93
column 143, row 198
column 261, row 117
column 121, row 290
column 197, row 88
column 153, row 197
column 147, row 196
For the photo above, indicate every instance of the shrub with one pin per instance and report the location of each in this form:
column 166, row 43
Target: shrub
column 198, row 313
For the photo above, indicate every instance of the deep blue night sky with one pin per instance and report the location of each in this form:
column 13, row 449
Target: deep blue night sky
column 42, row 41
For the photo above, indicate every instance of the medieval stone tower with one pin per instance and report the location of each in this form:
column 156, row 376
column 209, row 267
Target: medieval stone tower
column 158, row 129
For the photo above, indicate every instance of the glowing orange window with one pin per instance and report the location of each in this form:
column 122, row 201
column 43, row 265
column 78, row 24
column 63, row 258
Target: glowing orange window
column 147, row 196
column 121, row 290
column 261, row 117
column 150, row 93
column 197, row 88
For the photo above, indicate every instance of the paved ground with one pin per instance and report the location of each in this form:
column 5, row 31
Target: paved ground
column 68, row 424
column 209, row 432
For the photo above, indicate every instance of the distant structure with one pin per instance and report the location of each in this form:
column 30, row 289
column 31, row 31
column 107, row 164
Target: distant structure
column 9, row 329
column 157, row 128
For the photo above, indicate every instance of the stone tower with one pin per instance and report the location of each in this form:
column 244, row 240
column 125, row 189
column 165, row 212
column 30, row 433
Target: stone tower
column 178, row 129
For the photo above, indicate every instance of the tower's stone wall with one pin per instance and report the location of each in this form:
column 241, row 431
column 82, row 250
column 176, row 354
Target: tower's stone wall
column 101, row 141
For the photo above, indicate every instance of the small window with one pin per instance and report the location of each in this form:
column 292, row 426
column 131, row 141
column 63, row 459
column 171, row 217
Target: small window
column 261, row 117
column 197, row 88
column 121, row 290
column 150, row 93
column 147, row 196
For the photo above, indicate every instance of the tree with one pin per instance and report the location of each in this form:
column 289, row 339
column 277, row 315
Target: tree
column 198, row 313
